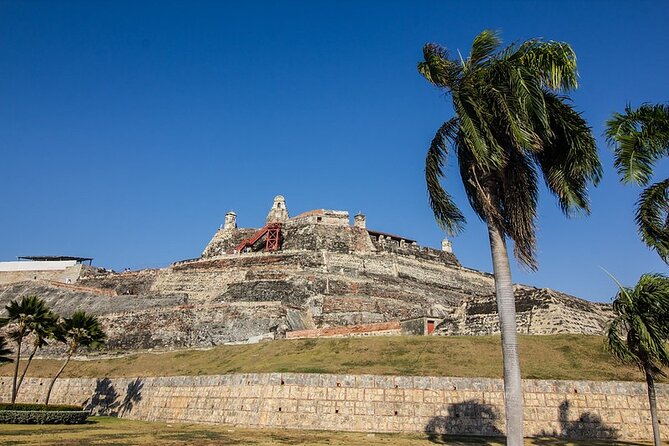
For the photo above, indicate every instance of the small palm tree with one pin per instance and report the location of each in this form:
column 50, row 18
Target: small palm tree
column 4, row 351
column 80, row 330
column 640, row 138
column 22, row 318
column 511, row 125
column 41, row 330
column 639, row 332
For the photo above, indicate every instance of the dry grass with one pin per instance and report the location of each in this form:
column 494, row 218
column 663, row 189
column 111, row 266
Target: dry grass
column 114, row 431
column 543, row 357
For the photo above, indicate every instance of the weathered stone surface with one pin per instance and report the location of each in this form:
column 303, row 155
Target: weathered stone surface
column 366, row 403
column 327, row 273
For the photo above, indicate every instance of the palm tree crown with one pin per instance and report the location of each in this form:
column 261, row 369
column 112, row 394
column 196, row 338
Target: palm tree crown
column 638, row 333
column 81, row 330
column 511, row 124
column 640, row 138
column 27, row 315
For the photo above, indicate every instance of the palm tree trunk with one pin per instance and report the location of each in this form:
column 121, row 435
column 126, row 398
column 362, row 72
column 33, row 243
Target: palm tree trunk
column 16, row 369
column 650, row 382
column 506, row 308
column 53, row 381
column 23, row 375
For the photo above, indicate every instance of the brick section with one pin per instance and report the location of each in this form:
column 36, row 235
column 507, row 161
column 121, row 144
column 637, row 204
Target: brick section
column 378, row 329
column 366, row 403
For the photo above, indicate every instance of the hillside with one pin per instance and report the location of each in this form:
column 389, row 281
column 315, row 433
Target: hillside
column 577, row 357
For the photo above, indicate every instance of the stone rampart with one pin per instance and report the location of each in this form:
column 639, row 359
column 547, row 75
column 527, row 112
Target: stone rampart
column 366, row 403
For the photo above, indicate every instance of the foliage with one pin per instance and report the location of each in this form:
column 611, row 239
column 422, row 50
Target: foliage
column 30, row 315
column 638, row 333
column 4, row 351
column 25, row 316
column 511, row 124
column 641, row 138
column 80, row 330
column 42, row 417
column 29, row 406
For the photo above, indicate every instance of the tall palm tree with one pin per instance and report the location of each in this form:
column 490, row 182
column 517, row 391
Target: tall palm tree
column 80, row 330
column 4, row 351
column 22, row 318
column 639, row 332
column 41, row 330
column 640, row 138
column 511, row 124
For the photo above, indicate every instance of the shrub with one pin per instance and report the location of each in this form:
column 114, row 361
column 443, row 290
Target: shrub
column 40, row 407
column 43, row 417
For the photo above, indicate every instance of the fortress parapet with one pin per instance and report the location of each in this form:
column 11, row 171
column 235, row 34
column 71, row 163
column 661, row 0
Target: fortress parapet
column 315, row 230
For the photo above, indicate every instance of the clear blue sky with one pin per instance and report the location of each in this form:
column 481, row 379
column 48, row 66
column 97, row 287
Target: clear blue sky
column 128, row 129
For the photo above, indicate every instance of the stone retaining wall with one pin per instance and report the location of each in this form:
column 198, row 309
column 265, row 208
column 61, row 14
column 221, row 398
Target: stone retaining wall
column 367, row 403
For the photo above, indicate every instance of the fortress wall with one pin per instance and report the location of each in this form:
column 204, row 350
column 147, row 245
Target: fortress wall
column 62, row 274
column 366, row 403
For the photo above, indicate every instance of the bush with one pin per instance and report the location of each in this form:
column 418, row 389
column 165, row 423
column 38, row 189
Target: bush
column 43, row 417
column 40, row 407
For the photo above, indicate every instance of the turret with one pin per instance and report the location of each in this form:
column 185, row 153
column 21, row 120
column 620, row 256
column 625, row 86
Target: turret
column 360, row 221
column 230, row 221
column 446, row 245
column 279, row 212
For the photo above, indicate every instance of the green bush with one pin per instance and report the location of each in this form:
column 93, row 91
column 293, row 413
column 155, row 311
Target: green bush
column 43, row 417
column 40, row 407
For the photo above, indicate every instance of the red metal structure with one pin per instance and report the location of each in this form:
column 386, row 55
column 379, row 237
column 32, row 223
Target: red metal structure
column 272, row 231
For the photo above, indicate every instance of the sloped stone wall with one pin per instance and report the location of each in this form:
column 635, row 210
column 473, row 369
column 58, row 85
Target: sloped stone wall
column 366, row 403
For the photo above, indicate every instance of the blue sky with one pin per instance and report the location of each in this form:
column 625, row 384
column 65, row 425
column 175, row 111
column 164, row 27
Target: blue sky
column 128, row 129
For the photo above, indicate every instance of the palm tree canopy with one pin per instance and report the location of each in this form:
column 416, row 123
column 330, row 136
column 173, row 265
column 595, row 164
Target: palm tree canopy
column 28, row 315
column 512, row 124
column 81, row 330
column 640, row 138
column 640, row 329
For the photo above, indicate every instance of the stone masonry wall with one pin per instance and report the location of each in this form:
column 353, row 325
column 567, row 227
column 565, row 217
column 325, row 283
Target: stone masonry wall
column 366, row 403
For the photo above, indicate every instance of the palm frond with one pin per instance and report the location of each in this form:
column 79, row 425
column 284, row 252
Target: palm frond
column 437, row 68
column 553, row 62
column 569, row 159
column 446, row 213
column 640, row 137
column 484, row 46
column 652, row 218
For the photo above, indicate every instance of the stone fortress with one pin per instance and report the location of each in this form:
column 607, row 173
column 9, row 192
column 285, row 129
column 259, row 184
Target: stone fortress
column 310, row 275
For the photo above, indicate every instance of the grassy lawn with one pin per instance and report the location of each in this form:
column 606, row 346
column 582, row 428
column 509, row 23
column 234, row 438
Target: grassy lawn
column 113, row 431
column 543, row 357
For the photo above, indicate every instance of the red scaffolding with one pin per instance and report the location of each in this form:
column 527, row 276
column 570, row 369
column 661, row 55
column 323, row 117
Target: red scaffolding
column 272, row 233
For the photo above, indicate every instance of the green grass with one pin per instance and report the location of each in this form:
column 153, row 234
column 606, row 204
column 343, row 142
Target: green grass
column 113, row 431
column 542, row 357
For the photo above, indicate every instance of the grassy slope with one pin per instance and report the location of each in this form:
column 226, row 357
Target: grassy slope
column 543, row 357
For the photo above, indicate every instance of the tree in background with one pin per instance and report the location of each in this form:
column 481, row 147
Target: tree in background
column 639, row 332
column 22, row 318
column 640, row 138
column 511, row 125
column 80, row 330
